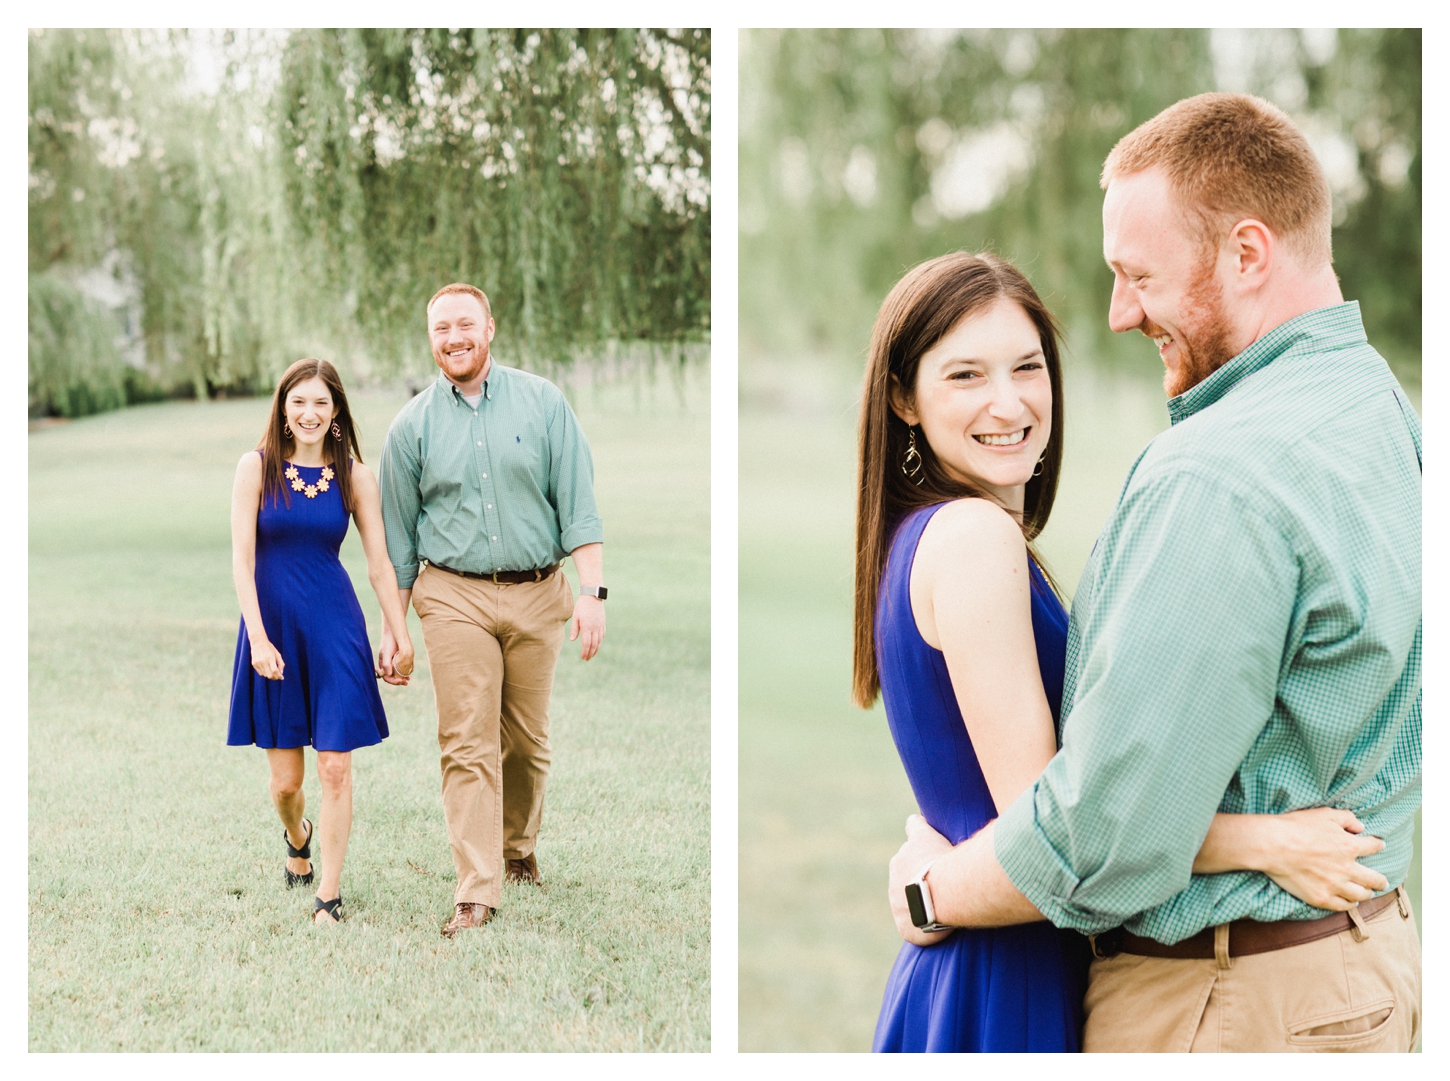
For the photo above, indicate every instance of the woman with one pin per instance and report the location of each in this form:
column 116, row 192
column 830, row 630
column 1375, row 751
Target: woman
column 961, row 632
column 303, row 674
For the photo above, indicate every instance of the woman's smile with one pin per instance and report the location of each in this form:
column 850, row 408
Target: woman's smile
column 1011, row 440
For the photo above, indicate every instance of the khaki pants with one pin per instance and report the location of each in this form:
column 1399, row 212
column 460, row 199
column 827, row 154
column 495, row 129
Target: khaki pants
column 492, row 650
column 1358, row 990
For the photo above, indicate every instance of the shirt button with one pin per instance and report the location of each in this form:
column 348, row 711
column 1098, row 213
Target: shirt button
column 490, row 506
column 485, row 476
column 480, row 442
column 495, row 538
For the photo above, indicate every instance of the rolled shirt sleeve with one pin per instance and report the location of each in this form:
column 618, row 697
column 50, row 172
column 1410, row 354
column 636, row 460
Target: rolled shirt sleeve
column 1185, row 610
column 571, row 481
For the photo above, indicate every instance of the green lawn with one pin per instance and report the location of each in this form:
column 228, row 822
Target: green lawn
column 157, row 916
column 822, row 794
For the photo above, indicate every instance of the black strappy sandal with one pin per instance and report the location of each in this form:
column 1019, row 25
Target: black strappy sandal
column 333, row 908
column 303, row 853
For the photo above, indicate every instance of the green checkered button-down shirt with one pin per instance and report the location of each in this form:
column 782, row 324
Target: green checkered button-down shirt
column 1245, row 638
column 506, row 486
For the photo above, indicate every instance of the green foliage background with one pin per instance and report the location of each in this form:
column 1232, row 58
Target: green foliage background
column 231, row 202
column 887, row 109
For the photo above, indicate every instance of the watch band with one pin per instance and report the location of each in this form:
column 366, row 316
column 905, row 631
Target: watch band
column 924, row 919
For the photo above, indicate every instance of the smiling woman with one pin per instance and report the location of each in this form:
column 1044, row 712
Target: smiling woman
column 983, row 399
column 303, row 674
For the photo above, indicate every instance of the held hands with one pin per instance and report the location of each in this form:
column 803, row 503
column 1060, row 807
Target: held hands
column 266, row 660
column 395, row 659
column 588, row 620
column 923, row 844
column 1317, row 858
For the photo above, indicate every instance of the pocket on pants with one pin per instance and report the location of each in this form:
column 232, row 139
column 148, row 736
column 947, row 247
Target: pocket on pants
column 566, row 596
column 1345, row 1029
column 418, row 597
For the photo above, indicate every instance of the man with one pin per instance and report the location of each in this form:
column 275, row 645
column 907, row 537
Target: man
column 1245, row 637
column 487, row 483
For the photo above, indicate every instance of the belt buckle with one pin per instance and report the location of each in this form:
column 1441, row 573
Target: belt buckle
column 494, row 576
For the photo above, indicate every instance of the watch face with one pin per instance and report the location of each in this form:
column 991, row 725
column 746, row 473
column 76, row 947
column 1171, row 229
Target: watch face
column 915, row 905
column 601, row 593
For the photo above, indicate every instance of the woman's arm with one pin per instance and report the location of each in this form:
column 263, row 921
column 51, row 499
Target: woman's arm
column 1312, row 854
column 369, row 517
column 971, row 598
column 246, row 499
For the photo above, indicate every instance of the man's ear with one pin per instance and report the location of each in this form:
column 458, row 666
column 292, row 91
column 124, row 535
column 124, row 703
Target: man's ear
column 1254, row 250
column 901, row 403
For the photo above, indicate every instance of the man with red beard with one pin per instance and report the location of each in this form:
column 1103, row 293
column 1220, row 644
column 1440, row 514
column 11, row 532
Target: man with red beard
column 1246, row 637
column 487, row 483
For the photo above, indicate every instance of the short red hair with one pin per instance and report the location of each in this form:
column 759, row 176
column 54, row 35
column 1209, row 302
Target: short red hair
column 463, row 287
column 1230, row 157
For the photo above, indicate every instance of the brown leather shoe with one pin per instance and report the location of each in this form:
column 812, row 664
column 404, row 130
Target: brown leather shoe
column 467, row 915
column 525, row 870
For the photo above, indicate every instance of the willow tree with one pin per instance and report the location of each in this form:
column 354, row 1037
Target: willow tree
column 564, row 172
column 865, row 151
column 156, row 213
column 206, row 207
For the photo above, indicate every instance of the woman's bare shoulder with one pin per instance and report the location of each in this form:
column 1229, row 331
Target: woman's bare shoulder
column 361, row 474
column 978, row 522
column 250, row 465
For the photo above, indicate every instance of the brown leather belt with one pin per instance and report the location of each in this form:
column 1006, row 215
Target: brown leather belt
column 1244, row 936
column 503, row 578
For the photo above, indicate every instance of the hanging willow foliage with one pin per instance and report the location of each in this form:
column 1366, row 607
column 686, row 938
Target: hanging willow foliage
column 864, row 151
column 233, row 201
column 563, row 172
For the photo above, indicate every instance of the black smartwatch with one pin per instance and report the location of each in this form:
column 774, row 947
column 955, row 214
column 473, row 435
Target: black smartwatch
column 594, row 591
column 918, row 903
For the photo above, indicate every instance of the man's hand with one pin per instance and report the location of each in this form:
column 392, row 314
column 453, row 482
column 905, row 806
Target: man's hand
column 923, row 844
column 588, row 620
column 388, row 655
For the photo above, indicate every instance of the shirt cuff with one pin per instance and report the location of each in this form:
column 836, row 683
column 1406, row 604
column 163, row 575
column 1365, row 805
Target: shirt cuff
column 407, row 574
column 585, row 531
column 1036, row 868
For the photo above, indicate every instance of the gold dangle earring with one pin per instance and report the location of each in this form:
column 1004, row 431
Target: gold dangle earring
column 287, row 429
column 1038, row 471
column 911, row 464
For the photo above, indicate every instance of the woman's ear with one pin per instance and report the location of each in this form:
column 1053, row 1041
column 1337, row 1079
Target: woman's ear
column 901, row 403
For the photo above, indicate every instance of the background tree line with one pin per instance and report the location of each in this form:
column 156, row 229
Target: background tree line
column 865, row 151
column 205, row 208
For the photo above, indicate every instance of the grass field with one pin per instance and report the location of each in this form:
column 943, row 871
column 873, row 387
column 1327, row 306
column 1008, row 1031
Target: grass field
column 158, row 919
column 822, row 794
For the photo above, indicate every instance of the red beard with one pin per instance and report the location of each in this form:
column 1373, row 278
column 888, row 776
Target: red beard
column 1204, row 329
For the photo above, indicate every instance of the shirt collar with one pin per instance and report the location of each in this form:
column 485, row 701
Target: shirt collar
column 1334, row 327
column 450, row 387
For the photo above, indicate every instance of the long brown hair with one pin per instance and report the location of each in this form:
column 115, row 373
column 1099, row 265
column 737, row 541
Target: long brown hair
column 276, row 445
column 922, row 308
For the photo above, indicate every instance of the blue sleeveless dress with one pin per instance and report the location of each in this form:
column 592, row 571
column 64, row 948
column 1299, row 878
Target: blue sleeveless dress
column 327, row 697
column 1002, row 989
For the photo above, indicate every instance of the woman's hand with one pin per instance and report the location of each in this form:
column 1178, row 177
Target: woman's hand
column 266, row 660
column 1315, row 856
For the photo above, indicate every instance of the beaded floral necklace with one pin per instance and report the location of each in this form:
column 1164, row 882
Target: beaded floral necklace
column 309, row 490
